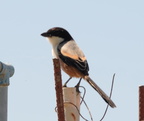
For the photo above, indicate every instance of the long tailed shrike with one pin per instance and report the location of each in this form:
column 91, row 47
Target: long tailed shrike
column 72, row 59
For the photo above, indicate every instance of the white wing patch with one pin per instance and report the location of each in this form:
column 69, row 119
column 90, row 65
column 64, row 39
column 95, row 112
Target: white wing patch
column 71, row 49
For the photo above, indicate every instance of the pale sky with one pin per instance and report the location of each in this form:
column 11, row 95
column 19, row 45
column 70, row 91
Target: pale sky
column 110, row 33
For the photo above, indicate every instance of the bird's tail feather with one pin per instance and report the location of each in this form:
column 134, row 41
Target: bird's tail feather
column 100, row 91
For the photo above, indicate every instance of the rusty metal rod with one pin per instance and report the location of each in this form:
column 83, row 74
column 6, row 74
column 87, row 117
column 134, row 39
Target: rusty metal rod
column 141, row 103
column 58, row 88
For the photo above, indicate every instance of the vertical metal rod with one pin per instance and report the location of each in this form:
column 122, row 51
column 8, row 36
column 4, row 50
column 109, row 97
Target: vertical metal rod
column 58, row 88
column 141, row 103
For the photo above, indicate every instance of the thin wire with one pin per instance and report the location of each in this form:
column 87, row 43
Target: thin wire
column 77, row 110
column 85, row 103
column 75, row 107
column 109, row 97
column 56, row 109
column 83, row 94
column 82, row 101
column 88, row 110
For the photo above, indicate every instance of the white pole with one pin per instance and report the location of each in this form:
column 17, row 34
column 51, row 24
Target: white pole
column 71, row 104
column 6, row 71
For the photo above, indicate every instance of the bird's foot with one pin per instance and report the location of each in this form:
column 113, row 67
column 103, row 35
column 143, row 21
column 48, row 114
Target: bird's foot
column 65, row 85
column 77, row 88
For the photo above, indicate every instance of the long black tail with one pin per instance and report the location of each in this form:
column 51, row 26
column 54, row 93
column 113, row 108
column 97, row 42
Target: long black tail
column 100, row 91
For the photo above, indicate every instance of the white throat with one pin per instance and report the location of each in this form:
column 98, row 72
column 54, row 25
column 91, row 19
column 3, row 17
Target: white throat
column 55, row 42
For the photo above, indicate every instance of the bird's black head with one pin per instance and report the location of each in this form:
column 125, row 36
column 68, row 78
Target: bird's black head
column 57, row 32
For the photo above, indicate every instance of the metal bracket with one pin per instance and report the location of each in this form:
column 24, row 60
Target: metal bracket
column 6, row 71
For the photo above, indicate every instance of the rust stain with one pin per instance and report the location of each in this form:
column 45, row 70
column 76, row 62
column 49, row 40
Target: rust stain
column 73, row 116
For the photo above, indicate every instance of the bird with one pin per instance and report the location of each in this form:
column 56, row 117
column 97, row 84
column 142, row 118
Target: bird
column 72, row 59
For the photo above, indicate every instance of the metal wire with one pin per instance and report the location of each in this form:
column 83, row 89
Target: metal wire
column 77, row 110
column 83, row 101
column 109, row 97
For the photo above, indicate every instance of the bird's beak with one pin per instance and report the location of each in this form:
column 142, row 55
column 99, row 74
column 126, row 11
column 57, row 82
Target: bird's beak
column 44, row 34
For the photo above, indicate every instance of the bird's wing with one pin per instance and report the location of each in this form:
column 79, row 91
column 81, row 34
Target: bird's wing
column 72, row 55
column 71, row 49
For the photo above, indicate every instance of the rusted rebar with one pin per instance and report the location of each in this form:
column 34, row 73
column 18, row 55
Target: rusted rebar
column 58, row 88
column 141, row 103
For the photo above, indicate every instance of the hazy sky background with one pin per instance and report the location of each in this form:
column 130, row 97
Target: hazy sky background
column 111, row 34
